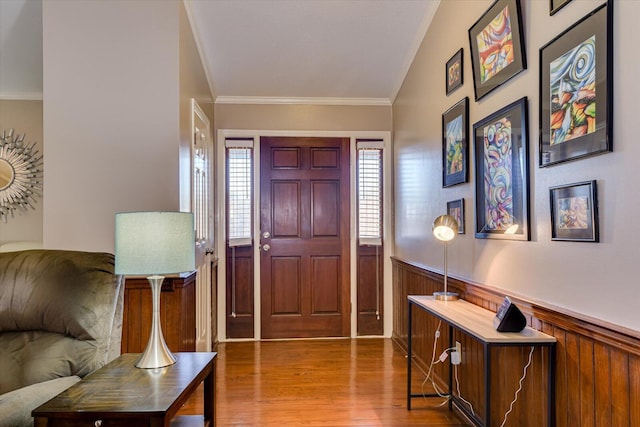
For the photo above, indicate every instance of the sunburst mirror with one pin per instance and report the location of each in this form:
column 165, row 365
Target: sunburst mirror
column 20, row 175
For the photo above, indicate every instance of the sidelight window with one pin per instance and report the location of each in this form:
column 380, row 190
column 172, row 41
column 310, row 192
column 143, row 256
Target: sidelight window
column 239, row 191
column 369, row 192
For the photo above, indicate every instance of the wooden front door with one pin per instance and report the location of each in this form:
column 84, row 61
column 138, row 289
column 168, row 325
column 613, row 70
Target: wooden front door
column 304, row 237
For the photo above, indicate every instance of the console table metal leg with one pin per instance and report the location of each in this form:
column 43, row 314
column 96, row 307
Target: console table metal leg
column 409, row 355
column 551, row 380
column 450, row 369
column 487, row 384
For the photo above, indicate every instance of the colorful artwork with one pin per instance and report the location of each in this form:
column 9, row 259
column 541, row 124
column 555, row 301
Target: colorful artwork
column 498, row 191
column 457, row 214
column 573, row 213
column 455, row 147
column 495, row 46
column 453, row 74
column 573, row 93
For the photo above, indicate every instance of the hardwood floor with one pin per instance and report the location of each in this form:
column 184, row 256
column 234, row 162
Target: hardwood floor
column 341, row 382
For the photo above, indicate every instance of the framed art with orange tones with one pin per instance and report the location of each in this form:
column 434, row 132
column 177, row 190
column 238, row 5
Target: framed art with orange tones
column 576, row 90
column 454, row 70
column 497, row 46
column 455, row 144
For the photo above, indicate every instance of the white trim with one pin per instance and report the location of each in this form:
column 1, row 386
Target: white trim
column 241, row 241
column 370, row 241
column 378, row 145
column 255, row 135
column 269, row 100
column 21, row 96
column 238, row 143
column 413, row 51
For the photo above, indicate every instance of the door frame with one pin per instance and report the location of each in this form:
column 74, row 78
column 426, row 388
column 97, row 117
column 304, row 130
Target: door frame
column 220, row 223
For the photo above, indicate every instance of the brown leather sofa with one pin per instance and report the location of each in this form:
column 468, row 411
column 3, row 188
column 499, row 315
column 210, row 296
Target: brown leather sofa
column 60, row 319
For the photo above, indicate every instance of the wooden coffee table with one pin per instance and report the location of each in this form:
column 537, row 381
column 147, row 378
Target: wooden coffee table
column 119, row 394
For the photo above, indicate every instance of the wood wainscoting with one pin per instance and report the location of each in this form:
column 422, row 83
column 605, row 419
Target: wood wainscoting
column 597, row 364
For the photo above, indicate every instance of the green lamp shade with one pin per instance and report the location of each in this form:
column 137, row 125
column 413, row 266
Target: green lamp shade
column 154, row 243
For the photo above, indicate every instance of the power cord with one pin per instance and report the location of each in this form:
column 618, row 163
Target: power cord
column 515, row 398
column 431, row 365
column 455, row 370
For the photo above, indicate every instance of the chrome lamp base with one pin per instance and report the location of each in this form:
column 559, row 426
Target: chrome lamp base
column 445, row 296
column 157, row 354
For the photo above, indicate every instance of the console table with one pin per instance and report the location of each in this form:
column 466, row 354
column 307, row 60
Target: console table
column 477, row 322
column 123, row 395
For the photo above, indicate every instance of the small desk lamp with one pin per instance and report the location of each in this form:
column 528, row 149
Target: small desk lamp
column 153, row 244
column 445, row 228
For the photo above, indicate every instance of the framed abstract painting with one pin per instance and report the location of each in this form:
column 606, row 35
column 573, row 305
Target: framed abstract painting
column 454, row 70
column 502, row 173
column 455, row 145
column 455, row 208
column 574, row 212
column 575, row 77
column 497, row 46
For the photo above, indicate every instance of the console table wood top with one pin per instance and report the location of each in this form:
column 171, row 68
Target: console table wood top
column 477, row 321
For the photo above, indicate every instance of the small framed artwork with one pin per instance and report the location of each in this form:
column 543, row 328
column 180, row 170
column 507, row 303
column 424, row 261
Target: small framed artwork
column 556, row 5
column 454, row 72
column 455, row 146
column 455, row 209
column 497, row 46
column 575, row 77
column 502, row 173
column 574, row 212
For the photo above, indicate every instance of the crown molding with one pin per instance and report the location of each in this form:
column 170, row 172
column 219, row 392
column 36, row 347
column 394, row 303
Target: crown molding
column 21, row 96
column 267, row 100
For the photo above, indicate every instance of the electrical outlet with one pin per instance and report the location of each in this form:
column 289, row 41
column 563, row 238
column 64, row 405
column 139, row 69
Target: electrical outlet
column 459, row 349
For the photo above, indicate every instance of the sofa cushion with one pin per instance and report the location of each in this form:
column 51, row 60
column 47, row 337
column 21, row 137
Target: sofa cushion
column 36, row 356
column 60, row 315
column 16, row 406
column 71, row 293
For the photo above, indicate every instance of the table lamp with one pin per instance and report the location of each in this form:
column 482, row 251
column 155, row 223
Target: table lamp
column 445, row 228
column 154, row 244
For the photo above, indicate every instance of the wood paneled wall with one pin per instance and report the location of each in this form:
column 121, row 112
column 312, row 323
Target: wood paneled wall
column 597, row 364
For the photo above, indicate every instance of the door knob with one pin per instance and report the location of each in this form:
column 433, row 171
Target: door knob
column 266, row 235
column 266, row 248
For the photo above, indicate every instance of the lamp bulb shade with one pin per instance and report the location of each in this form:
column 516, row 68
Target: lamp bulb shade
column 445, row 228
column 154, row 243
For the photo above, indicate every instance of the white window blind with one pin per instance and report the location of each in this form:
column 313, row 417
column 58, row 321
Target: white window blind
column 239, row 191
column 370, row 192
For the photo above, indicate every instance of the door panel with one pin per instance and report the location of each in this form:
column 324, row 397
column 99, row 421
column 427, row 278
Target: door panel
column 304, row 191
column 239, row 301
column 286, row 209
column 325, row 214
column 286, row 280
column 325, row 298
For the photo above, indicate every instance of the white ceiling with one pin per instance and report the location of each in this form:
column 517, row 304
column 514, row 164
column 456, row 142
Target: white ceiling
column 264, row 50
column 20, row 49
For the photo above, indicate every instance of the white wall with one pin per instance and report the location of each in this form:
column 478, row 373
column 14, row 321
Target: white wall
column 594, row 279
column 111, row 116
